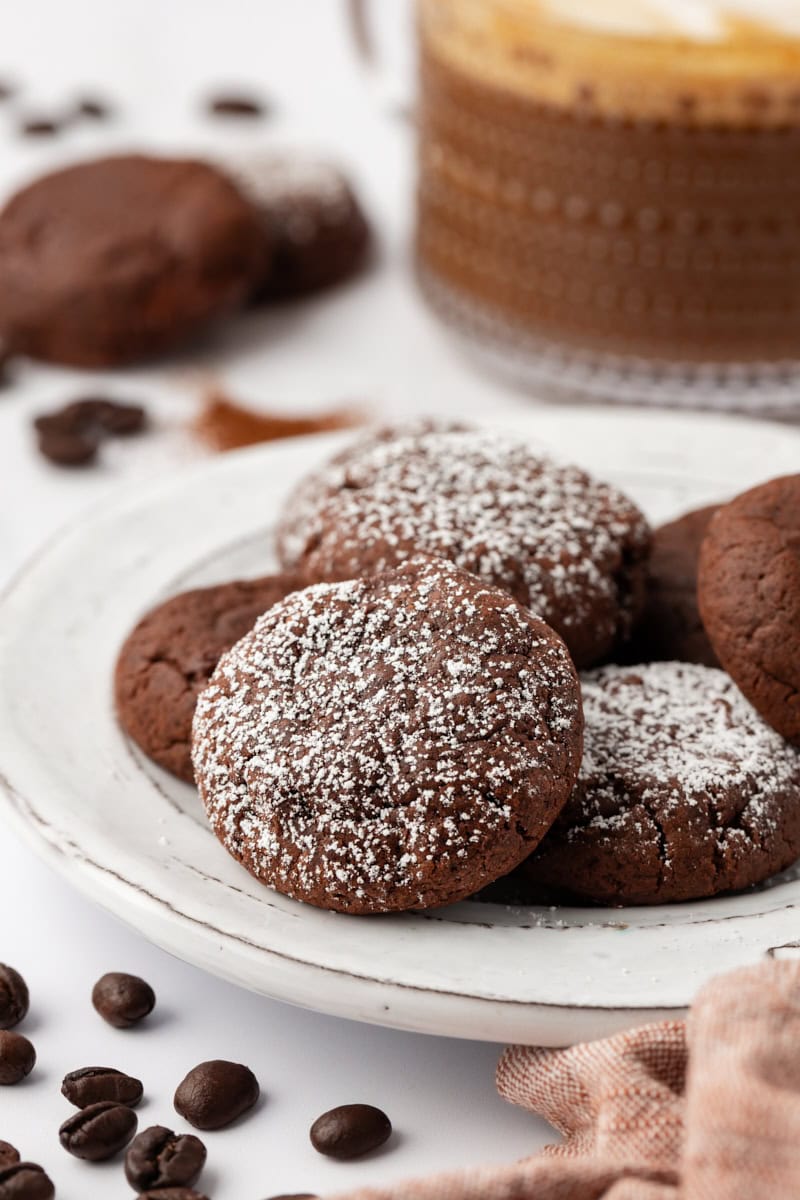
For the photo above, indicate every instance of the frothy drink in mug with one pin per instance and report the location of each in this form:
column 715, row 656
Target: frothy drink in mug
column 614, row 178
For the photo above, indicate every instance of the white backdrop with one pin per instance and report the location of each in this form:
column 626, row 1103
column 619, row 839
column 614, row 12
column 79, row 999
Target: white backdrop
column 156, row 60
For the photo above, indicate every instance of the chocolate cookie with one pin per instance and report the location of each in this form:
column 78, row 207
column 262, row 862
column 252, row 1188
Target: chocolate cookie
column 749, row 596
column 684, row 791
column 388, row 743
column 315, row 223
column 121, row 258
column 670, row 628
column 572, row 549
column 171, row 654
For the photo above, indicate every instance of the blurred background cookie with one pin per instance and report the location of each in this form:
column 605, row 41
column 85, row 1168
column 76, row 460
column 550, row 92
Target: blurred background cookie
column 117, row 259
column 319, row 232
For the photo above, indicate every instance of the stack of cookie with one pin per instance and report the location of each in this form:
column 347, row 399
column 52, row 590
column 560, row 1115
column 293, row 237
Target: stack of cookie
column 118, row 259
column 396, row 721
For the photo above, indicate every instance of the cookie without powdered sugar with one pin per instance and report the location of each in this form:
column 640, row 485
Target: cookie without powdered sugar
column 572, row 549
column 684, row 791
column 670, row 629
column 749, row 595
column 388, row 743
column 169, row 657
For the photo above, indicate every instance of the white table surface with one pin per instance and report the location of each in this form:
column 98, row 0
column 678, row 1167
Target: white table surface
column 373, row 341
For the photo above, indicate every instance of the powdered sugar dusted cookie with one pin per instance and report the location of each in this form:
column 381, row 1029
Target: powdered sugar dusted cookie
column 388, row 743
column 314, row 221
column 684, row 791
column 572, row 549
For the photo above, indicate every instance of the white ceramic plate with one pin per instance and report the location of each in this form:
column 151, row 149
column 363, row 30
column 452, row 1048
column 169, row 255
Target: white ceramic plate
column 135, row 839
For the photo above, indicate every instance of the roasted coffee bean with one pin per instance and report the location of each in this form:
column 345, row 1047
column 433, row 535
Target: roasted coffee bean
column 90, row 1085
column 350, row 1130
column 93, row 108
column 238, row 105
column 17, row 1057
column 8, row 1155
column 25, row 1181
column 14, row 999
column 159, row 1158
column 295, row 1196
column 122, row 1000
column 66, row 449
column 215, row 1093
column 95, row 416
column 99, row 1131
column 40, row 127
column 170, row 1193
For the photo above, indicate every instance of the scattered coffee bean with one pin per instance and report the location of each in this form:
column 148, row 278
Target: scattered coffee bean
column 70, row 436
column 17, row 1057
column 295, row 1196
column 90, row 1085
column 159, row 1158
column 215, row 1093
column 350, row 1130
column 66, row 449
column 25, row 1181
column 8, row 1155
column 112, row 416
column 122, row 1000
column 169, row 1193
column 238, row 105
column 14, row 998
column 40, row 127
column 93, row 108
column 99, row 1131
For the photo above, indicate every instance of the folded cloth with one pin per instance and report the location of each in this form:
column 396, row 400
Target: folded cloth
column 702, row 1109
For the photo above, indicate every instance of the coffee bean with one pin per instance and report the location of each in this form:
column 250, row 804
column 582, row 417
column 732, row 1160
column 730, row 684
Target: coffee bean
column 215, row 1093
column 67, row 449
column 99, row 1131
column 170, row 1193
column 350, row 1130
column 8, row 1154
column 14, row 999
column 17, row 1057
column 25, row 1181
column 295, row 1196
column 230, row 105
column 39, row 127
column 93, row 108
column 90, row 1085
column 122, row 1000
column 159, row 1158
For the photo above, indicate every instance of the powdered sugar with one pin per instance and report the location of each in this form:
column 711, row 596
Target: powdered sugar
column 682, row 729
column 683, row 792
column 560, row 542
column 388, row 743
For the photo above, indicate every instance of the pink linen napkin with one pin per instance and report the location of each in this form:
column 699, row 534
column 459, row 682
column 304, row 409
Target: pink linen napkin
column 702, row 1109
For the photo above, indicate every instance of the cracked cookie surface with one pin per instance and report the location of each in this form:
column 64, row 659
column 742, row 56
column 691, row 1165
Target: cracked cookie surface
column 749, row 597
column 572, row 549
column 169, row 657
column 389, row 743
column 684, row 791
